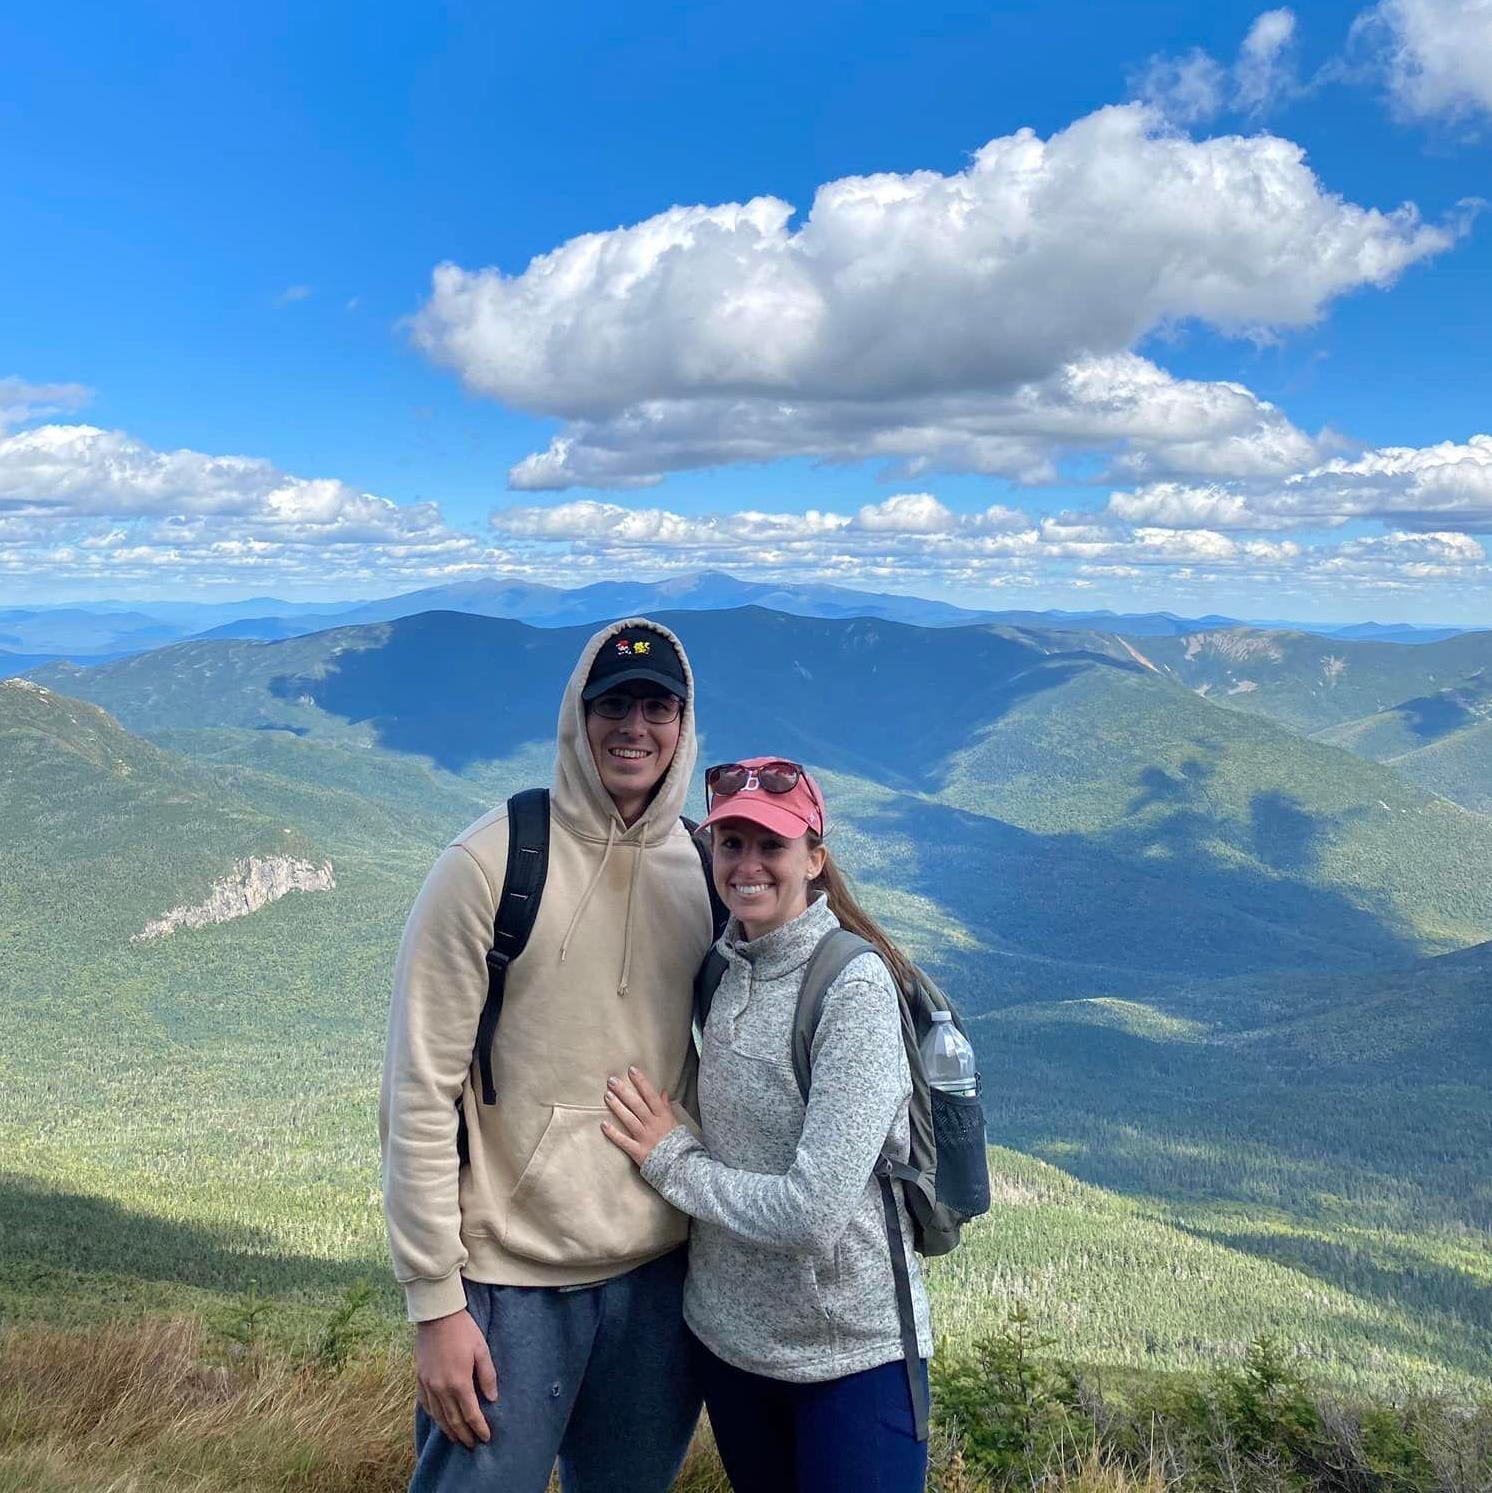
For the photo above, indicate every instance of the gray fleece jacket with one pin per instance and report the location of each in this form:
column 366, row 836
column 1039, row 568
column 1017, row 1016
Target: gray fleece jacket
column 789, row 1265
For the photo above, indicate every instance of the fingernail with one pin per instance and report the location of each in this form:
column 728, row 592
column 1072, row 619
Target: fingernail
column 631, row 1071
column 613, row 1081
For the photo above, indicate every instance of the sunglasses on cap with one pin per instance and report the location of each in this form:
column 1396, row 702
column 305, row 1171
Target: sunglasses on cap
column 780, row 776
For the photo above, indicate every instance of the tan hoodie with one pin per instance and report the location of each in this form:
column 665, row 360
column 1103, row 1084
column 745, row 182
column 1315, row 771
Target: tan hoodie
column 606, row 980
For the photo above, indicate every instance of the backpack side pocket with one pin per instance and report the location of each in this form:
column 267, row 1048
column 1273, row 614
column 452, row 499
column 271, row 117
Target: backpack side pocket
column 963, row 1166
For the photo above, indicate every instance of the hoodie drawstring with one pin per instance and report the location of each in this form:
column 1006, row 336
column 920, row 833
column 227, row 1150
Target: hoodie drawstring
column 621, row 988
column 591, row 885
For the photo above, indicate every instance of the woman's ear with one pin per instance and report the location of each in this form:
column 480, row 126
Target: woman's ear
column 817, row 858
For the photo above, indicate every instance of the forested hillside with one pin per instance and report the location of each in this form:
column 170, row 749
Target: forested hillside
column 1192, row 944
column 1053, row 795
column 1424, row 711
column 1309, row 682
column 1336, row 1124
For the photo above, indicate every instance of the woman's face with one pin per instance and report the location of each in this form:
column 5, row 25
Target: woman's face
column 762, row 877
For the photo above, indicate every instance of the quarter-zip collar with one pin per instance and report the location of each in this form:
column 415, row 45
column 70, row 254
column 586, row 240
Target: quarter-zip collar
column 784, row 950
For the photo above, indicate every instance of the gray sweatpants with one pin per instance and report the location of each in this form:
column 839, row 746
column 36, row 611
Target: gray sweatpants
column 600, row 1378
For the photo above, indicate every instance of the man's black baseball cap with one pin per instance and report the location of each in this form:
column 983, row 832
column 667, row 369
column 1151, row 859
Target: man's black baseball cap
column 637, row 654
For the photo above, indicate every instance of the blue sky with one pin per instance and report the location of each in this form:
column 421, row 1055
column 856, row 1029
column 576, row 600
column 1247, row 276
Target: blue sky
column 1146, row 356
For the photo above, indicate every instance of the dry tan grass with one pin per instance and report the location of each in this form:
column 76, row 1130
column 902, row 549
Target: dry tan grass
column 1100, row 1475
column 139, row 1407
column 142, row 1409
column 150, row 1408
column 1096, row 1473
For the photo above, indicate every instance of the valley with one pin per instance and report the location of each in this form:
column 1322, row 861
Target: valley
column 1223, row 977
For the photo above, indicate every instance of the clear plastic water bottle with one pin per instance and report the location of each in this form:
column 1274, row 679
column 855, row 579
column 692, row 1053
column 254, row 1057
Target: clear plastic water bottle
column 948, row 1058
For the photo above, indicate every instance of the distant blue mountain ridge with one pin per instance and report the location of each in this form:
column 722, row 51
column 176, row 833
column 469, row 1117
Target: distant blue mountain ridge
column 100, row 631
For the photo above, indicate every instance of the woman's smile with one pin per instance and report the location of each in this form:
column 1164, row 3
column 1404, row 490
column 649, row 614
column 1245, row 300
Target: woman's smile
column 761, row 876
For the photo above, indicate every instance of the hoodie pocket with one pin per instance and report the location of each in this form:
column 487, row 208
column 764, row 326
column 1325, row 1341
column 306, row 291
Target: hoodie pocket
column 581, row 1201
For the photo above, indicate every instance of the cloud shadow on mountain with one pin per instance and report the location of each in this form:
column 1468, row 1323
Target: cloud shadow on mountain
column 44, row 1229
column 884, row 700
column 1283, row 835
column 1403, row 1279
column 1432, row 716
column 1157, row 899
column 1234, row 1153
column 455, row 688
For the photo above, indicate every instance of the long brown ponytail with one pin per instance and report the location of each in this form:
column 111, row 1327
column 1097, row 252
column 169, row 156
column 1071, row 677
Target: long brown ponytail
column 846, row 907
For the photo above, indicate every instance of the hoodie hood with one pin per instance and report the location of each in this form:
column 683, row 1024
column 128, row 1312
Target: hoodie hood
column 579, row 796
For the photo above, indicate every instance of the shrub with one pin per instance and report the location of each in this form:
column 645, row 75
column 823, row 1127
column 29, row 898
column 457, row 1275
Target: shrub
column 1013, row 1413
column 347, row 1328
column 1008, row 1416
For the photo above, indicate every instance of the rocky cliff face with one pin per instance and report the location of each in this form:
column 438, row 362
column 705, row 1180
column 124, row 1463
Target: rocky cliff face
column 252, row 884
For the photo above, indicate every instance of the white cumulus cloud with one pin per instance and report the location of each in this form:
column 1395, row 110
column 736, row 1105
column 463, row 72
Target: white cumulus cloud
column 1184, row 507
column 1194, row 88
column 76, row 470
column 982, row 321
column 1435, row 54
column 1117, row 403
column 1400, row 561
column 1441, row 487
column 1263, row 70
column 21, row 400
column 82, row 503
column 915, row 540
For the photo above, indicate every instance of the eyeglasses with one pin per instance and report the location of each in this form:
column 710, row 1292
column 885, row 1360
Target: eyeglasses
column 780, row 776
column 657, row 710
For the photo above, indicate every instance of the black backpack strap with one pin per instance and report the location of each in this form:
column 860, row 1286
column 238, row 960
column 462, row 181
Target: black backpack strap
column 886, row 1170
column 709, row 975
column 706, row 983
column 825, row 965
column 523, row 886
column 719, row 913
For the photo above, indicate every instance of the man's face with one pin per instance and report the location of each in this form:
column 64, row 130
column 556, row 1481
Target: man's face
column 632, row 753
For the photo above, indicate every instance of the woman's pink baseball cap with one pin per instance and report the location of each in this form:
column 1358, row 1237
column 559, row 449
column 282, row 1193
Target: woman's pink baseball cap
column 789, row 814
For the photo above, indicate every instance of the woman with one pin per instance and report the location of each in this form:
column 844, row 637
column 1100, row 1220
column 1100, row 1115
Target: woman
column 790, row 1289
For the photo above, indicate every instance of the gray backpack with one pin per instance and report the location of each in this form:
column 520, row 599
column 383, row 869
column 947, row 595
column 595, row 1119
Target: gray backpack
column 945, row 1179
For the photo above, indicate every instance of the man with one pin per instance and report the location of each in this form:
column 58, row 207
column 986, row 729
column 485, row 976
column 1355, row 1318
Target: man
column 544, row 1275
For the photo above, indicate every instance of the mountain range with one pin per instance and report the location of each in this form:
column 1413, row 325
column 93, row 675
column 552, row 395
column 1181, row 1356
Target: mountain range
column 1054, row 794
column 105, row 630
column 1216, row 957
column 1424, row 712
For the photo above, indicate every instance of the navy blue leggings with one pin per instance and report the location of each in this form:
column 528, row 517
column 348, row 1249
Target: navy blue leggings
column 849, row 1435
